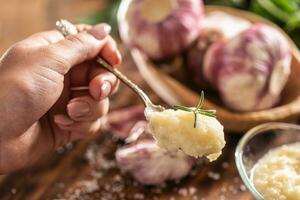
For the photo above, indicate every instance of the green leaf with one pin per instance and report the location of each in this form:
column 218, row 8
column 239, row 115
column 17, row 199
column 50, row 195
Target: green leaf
column 178, row 107
column 274, row 10
column 201, row 100
column 294, row 22
column 197, row 110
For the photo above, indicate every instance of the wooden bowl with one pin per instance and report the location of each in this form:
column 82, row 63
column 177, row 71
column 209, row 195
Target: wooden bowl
column 174, row 92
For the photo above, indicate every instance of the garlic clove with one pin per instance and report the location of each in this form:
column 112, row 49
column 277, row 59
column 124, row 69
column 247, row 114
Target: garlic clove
column 151, row 165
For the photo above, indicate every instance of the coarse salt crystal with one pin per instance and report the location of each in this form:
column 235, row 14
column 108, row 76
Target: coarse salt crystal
column 183, row 192
column 225, row 165
column 13, row 190
column 213, row 175
column 192, row 190
column 243, row 188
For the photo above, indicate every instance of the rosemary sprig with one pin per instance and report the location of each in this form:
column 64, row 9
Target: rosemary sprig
column 197, row 110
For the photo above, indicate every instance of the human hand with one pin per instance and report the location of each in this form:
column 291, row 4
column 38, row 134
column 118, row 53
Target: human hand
column 38, row 111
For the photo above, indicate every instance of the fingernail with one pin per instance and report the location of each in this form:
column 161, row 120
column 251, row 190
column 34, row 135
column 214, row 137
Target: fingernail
column 105, row 90
column 78, row 109
column 100, row 31
column 62, row 120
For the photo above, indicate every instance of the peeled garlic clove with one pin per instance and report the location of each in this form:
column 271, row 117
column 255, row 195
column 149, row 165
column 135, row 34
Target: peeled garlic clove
column 251, row 69
column 160, row 29
column 150, row 165
column 215, row 26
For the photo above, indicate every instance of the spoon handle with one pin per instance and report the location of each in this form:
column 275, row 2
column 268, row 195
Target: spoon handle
column 67, row 28
column 146, row 100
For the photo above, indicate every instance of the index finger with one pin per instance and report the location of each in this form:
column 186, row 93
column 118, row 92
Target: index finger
column 51, row 36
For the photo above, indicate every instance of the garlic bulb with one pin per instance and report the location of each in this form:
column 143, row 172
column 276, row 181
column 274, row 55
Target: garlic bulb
column 150, row 165
column 223, row 24
column 215, row 26
column 251, row 69
column 160, row 28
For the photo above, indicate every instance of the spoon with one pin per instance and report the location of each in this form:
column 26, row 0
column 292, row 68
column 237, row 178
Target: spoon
column 67, row 28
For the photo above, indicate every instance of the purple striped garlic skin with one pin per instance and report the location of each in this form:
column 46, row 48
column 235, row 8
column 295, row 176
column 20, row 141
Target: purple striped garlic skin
column 251, row 69
column 151, row 165
column 160, row 29
column 226, row 25
column 215, row 26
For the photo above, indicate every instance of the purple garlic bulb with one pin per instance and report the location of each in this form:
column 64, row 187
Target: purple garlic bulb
column 215, row 26
column 151, row 165
column 160, row 29
column 223, row 24
column 251, row 69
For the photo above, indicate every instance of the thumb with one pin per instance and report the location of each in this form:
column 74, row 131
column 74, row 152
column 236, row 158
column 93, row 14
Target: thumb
column 77, row 48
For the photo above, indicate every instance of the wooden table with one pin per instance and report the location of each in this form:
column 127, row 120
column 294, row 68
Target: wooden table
column 68, row 174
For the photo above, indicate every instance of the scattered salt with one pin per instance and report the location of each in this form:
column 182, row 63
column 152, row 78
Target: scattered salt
column 138, row 196
column 183, row 192
column 156, row 190
column 213, row 175
column 236, row 179
column 192, row 190
column 194, row 198
column 243, row 188
column 13, row 191
column 107, row 187
column 222, row 197
column 69, row 146
column 60, row 150
column 225, row 165
column 223, row 189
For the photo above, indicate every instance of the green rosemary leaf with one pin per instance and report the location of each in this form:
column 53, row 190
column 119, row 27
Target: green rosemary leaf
column 201, row 100
column 211, row 111
column 178, row 107
column 207, row 114
column 197, row 110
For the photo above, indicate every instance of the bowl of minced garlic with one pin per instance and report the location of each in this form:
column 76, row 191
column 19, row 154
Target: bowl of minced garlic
column 268, row 161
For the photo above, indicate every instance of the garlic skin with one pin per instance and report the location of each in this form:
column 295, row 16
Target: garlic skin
column 226, row 25
column 215, row 26
column 160, row 29
column 151, row 165
column 146, row 162
column 251, row 69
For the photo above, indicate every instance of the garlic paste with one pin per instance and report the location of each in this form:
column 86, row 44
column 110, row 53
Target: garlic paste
column 175, row 130
column 276, row 175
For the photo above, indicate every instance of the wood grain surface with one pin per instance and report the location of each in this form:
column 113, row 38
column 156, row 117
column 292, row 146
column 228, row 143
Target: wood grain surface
column 68, row 174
